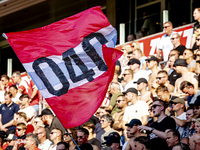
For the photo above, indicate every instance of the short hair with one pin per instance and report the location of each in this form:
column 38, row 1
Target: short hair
column 162, row 88
column 161, row 102
column 33, row 138
column 175, row 133
column 59, row 131
column 169, row 22
column 5, row 76
column 8, row 93
column 22, row 114
column 109, row 118
column 190, row 108
column 177, row 51
column 178, row 36
column 115, row 85
column 137, row 44
column 23, row 125
column 162, row 71
column 198, row 8
column 138, row 50
column 130, row 71
column 189, row 50
column 24, row 96
column 90, row 126
column 127, row 48
column 183, row 146
column 63, row 143
column 185, row 84
column 144, row 140
column 13, row 86
column 17, row 73
column 85, row 131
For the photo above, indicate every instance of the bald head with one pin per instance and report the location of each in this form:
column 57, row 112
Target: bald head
column 195, row 142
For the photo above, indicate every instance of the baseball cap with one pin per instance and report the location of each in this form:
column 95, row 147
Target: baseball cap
column 132, row 90
column 134, row 122
column 45, row 112
column 113, row 137
column 141, row 80
column 178, row 100
column 153, row 58
column 11, row 137
column 180, row 62
column 134, row 61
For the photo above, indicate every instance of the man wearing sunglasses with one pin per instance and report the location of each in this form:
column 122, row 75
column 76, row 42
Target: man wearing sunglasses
column 55, row 137
column 176, row 41
column 165, row 44
column 188, row 55
column 160, row 127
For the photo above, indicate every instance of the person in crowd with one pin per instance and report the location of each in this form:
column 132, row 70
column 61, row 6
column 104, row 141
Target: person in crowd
column 137, row 54
column 197, row 125
column 51, row 121
column 165, row 44
column 152, row 64
column 32, row 142
column 195, row 142
column 132, row 133
column 7, row 112
column 134, row 65
column 172, row 137
column 176, row 41
column 42, row 137
column 5, row 83
column 106, row 123
column 130, row 37
column 160, row 127
column 138, row 109
column 114, row 90
column 174, row 53
column 68, row 139
column 91, row 137
column 113, row 141
column 62, row 146
column 37, row 122
column 188, row 88
column 22, row 85
column 173, row 75
column 188, row 55
column 25, row 107
column 162, row 79
column 55, row 137
column 178, row 106
column 135, row 45
column 124, row 58
column 15, row 95
column 35, row 96
column 142, row 143
column 21, row 130
column 128, row 78
column 189, row 128
column 145, row 95
column 196, row 107
column 196, row 15
column 181, row 146
column 181, row 67
column 118, row 117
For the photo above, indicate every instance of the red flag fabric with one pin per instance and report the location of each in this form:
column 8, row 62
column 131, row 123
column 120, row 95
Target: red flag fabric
column 71, row 61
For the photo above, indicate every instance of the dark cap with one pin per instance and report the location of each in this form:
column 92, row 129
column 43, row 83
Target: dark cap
column 113, row 137
column 178, row 100
column 132, row 90
column 134, row 122
column 46, row 112
column 141, row 80
column 134, row 61
column 153, row 58
column 10, row 137
column 180, row 62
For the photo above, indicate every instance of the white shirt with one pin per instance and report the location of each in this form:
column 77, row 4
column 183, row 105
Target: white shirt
column 52, row 148
column 30, row 112
column 141, row 74
column 130, row 85
column 181, row 117
column 45, row 145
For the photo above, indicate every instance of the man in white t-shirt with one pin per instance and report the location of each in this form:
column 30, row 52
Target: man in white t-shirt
column 30, row 111
column 178, row 105
column 138, row 109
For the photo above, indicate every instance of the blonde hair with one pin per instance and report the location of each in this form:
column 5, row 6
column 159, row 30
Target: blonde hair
column 127, row 48
column 137, row 44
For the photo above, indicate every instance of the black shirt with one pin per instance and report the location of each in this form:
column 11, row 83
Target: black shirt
column 181, row 49
column 173, row 77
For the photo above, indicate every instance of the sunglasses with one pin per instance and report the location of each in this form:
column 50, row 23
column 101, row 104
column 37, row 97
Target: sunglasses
column 79, row 137
column 159, row 78
column 52, row 132
column 154, row 106
column 165, row 27
column 197, row 39
column 125, row 74
column 118, row 101
column 18, row 129
column 173, row 38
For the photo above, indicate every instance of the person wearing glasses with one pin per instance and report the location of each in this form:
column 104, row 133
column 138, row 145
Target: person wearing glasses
column 68, row 139
column 55, row 137
column 160, row 127
column 21, row 130
column 44, row 142
column 165, row 44
column 128, row 78
column 176, row 41
column 188, row 55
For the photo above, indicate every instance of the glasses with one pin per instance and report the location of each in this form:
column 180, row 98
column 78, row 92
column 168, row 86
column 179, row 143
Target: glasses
column 125, row 74
column 118, row 101
column 164, row 27
column 173, row 38
column 52, row 132
column 102, row 121
column 79, row 137
column 2, row 80
column 38, row 133
column 197, row 39
column 154, row 106
column 19, row 129
column 132, row 46
column 66, row 134
column 159, row 78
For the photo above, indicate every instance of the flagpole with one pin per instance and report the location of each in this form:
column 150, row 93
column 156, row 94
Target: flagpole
column 73, row 139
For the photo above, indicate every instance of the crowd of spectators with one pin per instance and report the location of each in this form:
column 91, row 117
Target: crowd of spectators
column 149, row 105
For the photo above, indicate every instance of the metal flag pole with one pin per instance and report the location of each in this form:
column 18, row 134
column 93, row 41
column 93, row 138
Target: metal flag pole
column 73, row 140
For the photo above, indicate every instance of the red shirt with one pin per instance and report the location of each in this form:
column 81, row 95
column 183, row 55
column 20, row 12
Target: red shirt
column 36, row 98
